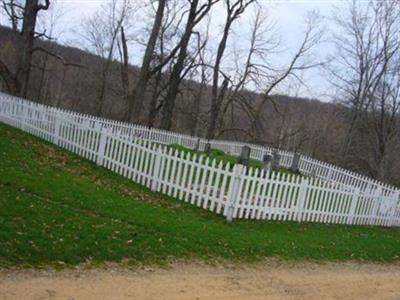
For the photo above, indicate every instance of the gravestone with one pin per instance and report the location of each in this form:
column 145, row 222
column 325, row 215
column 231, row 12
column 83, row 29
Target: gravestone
column 295, row 162
column 197, row 146
column 207, row 149
column 267, row 162
column 276, row 160
column 244, row 157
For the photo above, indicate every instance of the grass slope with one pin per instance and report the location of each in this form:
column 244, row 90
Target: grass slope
column 57, row 209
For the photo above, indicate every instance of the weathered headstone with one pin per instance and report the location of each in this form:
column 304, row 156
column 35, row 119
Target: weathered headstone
column 295, row 162
column 267, row 162
column 207, row 149
column 244, row 157
column 197, row 146
column 276, row 160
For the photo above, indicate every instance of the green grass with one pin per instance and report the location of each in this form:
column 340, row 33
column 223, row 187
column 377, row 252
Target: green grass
column 57, row 209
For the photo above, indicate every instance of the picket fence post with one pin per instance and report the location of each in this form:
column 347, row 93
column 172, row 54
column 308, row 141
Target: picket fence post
column 57, row 126
column 301, row 199
column 395, row 200
column 24, row 115
column 378, row 195
column 353, row 205
column 3, row 111
column 103, row 132
column 329, row 177
column 156, row 170
column 234, row 191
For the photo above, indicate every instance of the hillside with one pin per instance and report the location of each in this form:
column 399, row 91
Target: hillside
column 57, row 209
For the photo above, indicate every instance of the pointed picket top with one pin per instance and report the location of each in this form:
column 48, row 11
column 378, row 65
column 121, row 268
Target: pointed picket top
column 170, row 151
column 298, row 179
column 281, row 176
column 262, row 173
column 257, row 172
column 228, row 166
column 178, row 153
column 290, row 177
column 195, row 157
column 188, row 156
column 207, row 161
column 252, row 171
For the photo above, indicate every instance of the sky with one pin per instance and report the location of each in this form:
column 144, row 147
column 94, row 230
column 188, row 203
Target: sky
column 288, row 15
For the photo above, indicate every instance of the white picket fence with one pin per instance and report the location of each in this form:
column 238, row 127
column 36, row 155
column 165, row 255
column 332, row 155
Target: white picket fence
column 307, row 165
column 235, row 191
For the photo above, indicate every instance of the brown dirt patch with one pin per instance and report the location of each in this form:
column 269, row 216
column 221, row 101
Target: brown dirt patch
column 198, row 281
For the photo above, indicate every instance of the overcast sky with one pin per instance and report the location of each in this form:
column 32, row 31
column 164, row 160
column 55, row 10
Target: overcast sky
column 289, row 16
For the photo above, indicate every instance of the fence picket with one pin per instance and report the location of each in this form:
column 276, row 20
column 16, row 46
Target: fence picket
column 234, row 191
column 102, row 145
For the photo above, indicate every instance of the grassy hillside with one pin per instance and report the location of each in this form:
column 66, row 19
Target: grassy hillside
column 58, row 209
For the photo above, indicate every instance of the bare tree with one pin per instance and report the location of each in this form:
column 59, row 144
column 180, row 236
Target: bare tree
column 167, row 45
column 48, row 25
column 13, row 9
column 272, row 77
column 124, row 57
column 246, row 71
column 102, row 32
column 365, row 71
column 203, row 84
column 18, row 82
column 234, row 9
column 136, row 101
column 196, row 14
column 31, row 10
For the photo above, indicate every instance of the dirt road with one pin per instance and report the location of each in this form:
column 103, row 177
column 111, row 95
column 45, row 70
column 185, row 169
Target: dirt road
column 197, row 281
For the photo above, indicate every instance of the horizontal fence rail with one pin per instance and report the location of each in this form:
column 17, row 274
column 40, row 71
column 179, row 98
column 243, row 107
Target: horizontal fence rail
column 330, row 195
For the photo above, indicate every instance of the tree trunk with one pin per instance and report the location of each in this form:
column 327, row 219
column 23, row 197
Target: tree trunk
column 31, row 10
column 196, row 113
column 28, row 33
column 9, row 79
column 137, row 99
column 215, row 106
column 125, row 69
column 153, row 110
column 32, row 7
column 42, row 78
column 215, row 110
column 175, row 78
